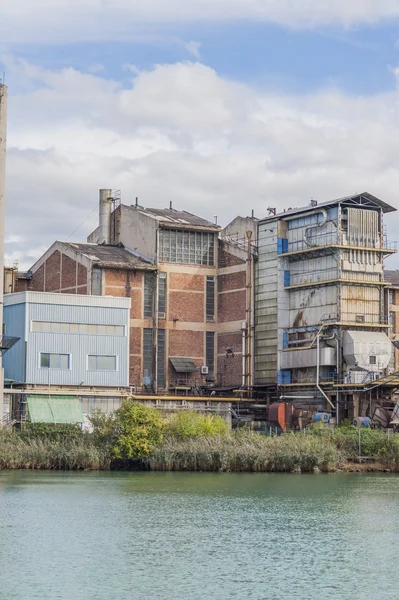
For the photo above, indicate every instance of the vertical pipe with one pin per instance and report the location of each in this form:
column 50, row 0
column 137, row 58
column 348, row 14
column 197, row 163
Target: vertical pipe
column 104, row 230
column 244, row 333
column 249, row 312
column 3, row 142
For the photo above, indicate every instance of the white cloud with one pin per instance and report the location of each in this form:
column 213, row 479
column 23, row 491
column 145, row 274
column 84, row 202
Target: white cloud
column 56, row 20
column 183, row 133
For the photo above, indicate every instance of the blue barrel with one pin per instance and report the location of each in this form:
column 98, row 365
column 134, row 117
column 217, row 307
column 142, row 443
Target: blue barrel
column 321, row 416
column 362, row 422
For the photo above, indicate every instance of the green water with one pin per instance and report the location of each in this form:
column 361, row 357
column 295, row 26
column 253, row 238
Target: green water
column 114, row 536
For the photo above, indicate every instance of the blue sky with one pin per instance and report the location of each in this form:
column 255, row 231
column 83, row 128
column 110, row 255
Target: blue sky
column 217, row 105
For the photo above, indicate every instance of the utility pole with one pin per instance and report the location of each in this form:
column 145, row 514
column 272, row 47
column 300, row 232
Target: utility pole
column 3, row 143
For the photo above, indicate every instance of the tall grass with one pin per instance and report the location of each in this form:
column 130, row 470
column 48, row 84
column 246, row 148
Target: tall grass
column 242, row 451
column 17, row 452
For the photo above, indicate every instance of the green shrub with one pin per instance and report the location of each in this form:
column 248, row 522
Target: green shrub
column 139, row 430
column 51, row 431
column 189, row 424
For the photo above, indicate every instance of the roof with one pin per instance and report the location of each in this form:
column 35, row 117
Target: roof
column 111, row 256
column 392, row 277
column 364, row 199
column 183, row 365
column 176, row 218
column 62, row 299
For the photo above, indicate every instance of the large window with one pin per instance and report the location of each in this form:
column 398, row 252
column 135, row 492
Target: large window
column 96, row 282
column 210, row 298
column 54, row 361
column 149, row 281
column 210, row 352
column 148, row 357
column 56, row 327
column 162, row 296
column 186, row 247
column 101, row 363
column 161, row 358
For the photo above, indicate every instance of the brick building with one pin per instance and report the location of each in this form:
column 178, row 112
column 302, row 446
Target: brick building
column 393, row 303
column 187, row 280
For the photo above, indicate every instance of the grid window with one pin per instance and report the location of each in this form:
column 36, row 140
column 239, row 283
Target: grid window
column 148, row 294
column 147, row 356
column 96, row 282
column 162, row 294
column 101, row 363
column 373, row 360
column 186, row 247
column 54, row 361
column 210, row 352
column 210, row 298
column 83, row 328
column 161, row 358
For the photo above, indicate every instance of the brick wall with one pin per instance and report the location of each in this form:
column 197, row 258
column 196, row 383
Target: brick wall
column 59, row 273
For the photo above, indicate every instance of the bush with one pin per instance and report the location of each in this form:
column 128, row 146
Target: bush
column 189, row 424
column 51, row 431
column 131, row 432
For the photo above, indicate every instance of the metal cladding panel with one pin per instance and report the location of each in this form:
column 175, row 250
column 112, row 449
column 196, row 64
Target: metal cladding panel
column 78, row 346
column 311, row 227
column 361, row 300
column 363, row 227
column 53, row 298
column 14, row 359
column 300, row 359
column 360, row 346
column 309, row 306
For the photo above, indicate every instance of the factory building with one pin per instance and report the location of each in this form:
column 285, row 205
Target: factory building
column 321, row 304
column 3, row 144
column 188, row 284
column 72, row 354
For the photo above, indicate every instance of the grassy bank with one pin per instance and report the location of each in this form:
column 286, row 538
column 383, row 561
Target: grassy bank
column 140, row 437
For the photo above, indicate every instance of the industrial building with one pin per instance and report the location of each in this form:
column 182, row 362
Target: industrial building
column 322, row 305
column 3, row 145
column 72, row 354
column 189, row 283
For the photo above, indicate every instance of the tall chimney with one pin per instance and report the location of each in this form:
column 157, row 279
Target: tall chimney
column 104, row 230
column 3, row 140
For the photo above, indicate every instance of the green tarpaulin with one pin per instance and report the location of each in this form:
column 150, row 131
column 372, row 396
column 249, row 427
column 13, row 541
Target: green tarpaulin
column 54, row 409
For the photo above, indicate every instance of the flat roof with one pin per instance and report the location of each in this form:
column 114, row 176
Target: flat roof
column 364, row 199
column 66, row 299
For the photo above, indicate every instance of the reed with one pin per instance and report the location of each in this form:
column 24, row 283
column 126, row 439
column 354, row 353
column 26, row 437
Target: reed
column 246, row 452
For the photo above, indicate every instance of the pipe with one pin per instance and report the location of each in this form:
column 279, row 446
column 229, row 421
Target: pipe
column 318, row 372
column 243, row 331
column 297, row 397
column 249, row 311
column 323, row 222
column 104, row 230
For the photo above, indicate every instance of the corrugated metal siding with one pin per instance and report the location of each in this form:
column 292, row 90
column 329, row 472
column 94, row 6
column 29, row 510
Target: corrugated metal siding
column 361, row 300
column 266, row 305
column 79, row 346
column 14, row 359
column 308, row 306
column 66, row 299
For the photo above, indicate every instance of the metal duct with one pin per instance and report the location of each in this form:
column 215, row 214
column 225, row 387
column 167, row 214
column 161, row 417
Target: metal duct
column 104, row 230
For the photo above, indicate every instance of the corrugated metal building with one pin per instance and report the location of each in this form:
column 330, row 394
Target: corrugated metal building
column 319, row 281
column 67, row 340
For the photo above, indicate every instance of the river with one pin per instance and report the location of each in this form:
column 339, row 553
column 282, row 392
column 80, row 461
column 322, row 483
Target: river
column 175, row 536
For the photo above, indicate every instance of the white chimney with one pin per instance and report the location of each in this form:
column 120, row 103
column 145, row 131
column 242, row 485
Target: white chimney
column 3, row 135
column 104, row 230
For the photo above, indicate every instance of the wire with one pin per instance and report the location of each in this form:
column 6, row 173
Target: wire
column 80, row 224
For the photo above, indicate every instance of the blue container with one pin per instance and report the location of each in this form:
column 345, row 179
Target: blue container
column 321, row 417
column 362, row 422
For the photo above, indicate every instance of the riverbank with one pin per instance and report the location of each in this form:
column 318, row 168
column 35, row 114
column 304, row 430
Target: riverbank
column 234, row 452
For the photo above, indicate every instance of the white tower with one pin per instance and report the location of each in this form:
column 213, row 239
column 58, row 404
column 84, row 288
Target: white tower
column 3, row 136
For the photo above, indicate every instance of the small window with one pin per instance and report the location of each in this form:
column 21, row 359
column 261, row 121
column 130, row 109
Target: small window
column 54, row 361
column 210, row 298
column 92, row 329
column 74, row 328
column 148, row 294
column 119, row 329
column 55, row 327
column 373, row 360
column 110, row 329
column 101, row 329
column 46, row 327
column 101, row 363
column 162, row 295
column 65, row 327
column 83, row 328
column 360, row 318
column 36, row 326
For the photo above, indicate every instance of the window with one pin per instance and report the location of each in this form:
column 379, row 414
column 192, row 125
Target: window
column 148, row 294
column 96, row 282
column 147, row 356
column 392, row 319
column 210, row 352
column 161, row 358
column 162, row 296
column 101, row 363
column 373, row 360
column 83, row 328
column 186, row 247
column 391, row 297
column 54, row 361
column 210, row 298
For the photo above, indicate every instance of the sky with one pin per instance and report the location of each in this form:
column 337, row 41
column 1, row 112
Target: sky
column 220, row 106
